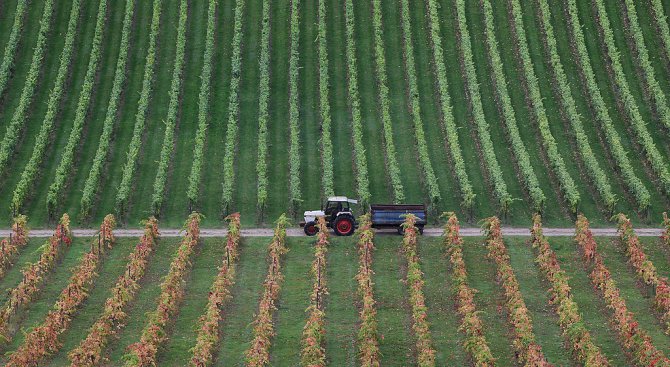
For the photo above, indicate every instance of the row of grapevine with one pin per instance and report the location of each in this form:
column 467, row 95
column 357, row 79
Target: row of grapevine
column 569, row 317
column 500, row 84
column 324, row 106
column 528, row 351
column 195, row 176
column 633, row 184
column 415, row 105
column 9, row 248
column 644, row 138
column 485, row 142
column 43, row 340
column 34, row 275
column 555, row 159
column 263, row 114
column 642, row 57
column 392, row 165
column 144, row 352
column 593, row 168
column 12, row 44
column 471, row 325
column 173, row 106
column 24, row 186
column 93, row 178
column 313, row 353
column 209, row 332
column 644, row 268
column 435, row 38
column 233, row 108
column 258, row 353
column 665, row 237
column 368, row 338
column 632, row 337
column 293, row 108
column 362, row 180
column 140, row 117
column 16, row 125
column 664, row 32
column 65, row 164
column 90, row 352
column 417, row 300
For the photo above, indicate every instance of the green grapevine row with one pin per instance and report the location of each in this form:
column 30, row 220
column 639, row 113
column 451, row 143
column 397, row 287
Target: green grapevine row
column 422, row 147
column 642, row 57
column 644, row 138
column 173, row 106
column 491, row 162
column 633, row 183
column 467, row 193
column 664, row 32
column 500, row 85
column 141, row 116
column 384, row 104
column 42, row 140
column 362, row 179
column 263, row 98
column 203, row 107
column 12, row 43
column 66, row 161
column 293, row 108
column 93, row 178
column 16, row 125
column 233, row 108
column 324, row 106
column 598, row 176
column 556, row 160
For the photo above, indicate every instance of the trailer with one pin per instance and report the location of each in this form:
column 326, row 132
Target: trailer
column 339, row 216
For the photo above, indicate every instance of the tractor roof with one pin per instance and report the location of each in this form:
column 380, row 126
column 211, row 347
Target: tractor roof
column 342, row 198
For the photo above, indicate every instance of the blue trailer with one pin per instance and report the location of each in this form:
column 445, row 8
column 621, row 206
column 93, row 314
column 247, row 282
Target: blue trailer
column 339, row 216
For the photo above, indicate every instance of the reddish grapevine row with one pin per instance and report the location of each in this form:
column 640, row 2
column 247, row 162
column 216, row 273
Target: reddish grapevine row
column 475, row 343
column 90, row 351
column 143, row 353
column 644, row 268
column 561, row 297
column 34, row 274
column 259, row 352
column 208, row 334
column 528, row 352
column 368, row 340
column 313, row 354
column 10, row 247
column 43, row 339
column 635, row 340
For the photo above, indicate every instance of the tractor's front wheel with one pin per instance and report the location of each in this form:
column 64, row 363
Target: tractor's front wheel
column 310, row 228
column 344, row 226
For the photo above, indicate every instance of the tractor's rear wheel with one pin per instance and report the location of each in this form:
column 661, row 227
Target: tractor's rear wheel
column 310, row 228
column 344, row 226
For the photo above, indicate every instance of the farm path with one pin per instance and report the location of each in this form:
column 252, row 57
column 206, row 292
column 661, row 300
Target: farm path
column 297, row 232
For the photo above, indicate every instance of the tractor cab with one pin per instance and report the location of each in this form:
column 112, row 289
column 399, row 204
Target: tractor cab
column 338, row 214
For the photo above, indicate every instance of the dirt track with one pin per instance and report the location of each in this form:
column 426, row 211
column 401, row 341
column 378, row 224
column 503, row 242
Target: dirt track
column 296, row 232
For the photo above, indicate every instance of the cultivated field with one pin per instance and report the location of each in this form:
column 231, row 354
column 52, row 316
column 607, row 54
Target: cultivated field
column 480, row 107
column 291, row 301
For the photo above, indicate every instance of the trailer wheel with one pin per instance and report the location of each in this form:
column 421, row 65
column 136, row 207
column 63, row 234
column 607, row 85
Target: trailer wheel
column 344, row 226
column 401, row 230
column 310, row 228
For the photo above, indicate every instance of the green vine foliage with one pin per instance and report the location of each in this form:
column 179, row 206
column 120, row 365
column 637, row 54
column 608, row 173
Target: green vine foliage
column 12, row 43
column 263, row 99
column 490, row 160
column 633, row 184
column 93, row 178
column 293, row 109
column 324, row 106
column 173, row 107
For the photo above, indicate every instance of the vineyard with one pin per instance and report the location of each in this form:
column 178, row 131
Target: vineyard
column 479, row 107
column 306, row 301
